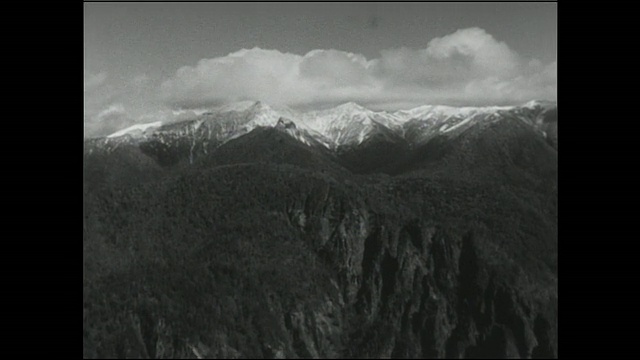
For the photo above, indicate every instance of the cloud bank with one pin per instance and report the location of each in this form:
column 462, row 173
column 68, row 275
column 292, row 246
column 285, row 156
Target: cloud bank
column 467, row 67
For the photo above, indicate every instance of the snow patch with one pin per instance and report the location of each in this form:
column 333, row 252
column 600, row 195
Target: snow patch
column 136, row 128
column 458, row 124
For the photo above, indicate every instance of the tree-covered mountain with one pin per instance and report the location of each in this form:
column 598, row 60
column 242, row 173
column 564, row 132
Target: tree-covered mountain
column 275, row 241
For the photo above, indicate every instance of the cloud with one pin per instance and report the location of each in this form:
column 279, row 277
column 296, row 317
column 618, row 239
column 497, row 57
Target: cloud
column 117, row 116
column 468, row 66
column 109, row 120
column 92, row 81
column 169, row 116
column 114, row 110
column 477, row 48
column 112, row 103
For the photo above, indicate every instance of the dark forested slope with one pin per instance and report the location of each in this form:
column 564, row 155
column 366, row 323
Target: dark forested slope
column 267, row 248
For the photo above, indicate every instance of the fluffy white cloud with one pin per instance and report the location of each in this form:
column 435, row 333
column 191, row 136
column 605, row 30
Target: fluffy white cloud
column 108, row 120
column 468, row 66
column 111, row 103
column 114, row 110
column 476, row 48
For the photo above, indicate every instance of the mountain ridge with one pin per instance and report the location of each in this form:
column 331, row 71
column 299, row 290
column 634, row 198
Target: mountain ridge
column 345, row 125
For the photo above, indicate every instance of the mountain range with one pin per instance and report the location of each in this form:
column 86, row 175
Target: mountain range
column 341, row 130
column 346, row 125
column 262, row 232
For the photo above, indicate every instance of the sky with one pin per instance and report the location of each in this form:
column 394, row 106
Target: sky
column 147, row 62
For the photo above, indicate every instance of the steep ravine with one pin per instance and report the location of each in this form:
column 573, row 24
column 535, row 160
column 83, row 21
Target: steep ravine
column 412, row 289
column 234, row 259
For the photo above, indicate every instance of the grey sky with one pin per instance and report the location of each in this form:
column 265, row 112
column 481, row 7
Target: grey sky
column 132, row 49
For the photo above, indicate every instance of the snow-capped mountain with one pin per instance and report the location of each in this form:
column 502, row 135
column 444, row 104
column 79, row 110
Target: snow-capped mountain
column 347, row 125
column 137, row 130
column 307, row 137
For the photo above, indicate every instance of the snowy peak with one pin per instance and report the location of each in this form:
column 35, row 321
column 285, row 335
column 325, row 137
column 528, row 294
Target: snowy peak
column 443, row 112
column 348, row 111
column 425, row 122
column 285, row 124
column 240, row 106
column 137, row 130
column 351, row 107
column 307, row 137
column 543, row 104
column 348, row 124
